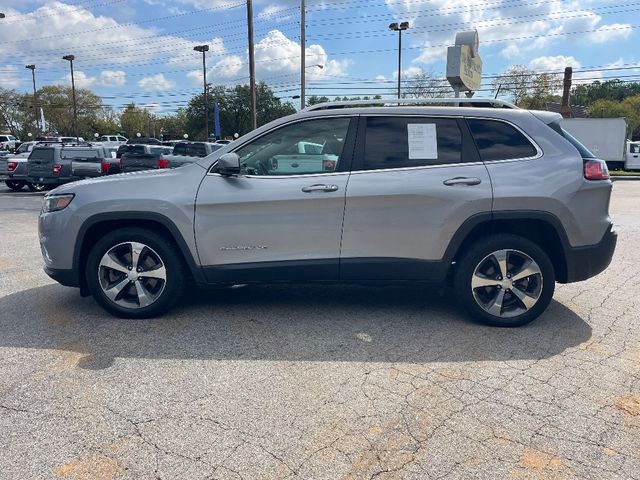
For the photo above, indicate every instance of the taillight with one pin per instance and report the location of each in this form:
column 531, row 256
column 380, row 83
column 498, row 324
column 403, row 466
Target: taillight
column 162, row 163
column 105, row 167
column 595, row 169
column 11, row 166
column 57, row 168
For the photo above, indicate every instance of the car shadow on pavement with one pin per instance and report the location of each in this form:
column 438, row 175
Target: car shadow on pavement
column 283, row 323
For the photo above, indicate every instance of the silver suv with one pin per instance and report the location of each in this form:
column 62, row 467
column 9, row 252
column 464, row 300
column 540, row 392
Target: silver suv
column 498, row 203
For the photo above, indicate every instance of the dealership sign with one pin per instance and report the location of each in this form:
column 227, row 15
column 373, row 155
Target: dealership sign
column 464, row 66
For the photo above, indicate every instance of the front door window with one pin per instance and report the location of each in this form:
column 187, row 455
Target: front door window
column 303, row 148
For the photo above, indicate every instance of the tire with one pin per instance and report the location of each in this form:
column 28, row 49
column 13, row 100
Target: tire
column 36, row 187
column 499, row 301
column 15, row 185
column 117, row 288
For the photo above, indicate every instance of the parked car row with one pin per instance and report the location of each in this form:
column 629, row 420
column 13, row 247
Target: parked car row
column 43, row 165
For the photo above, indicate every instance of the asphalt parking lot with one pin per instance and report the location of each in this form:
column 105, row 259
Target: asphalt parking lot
column 316, row 382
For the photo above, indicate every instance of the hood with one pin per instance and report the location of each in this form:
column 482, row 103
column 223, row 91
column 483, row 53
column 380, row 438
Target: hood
column 129, row 180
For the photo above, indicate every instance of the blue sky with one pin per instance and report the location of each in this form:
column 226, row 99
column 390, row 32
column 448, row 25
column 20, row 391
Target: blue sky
column 142, row 50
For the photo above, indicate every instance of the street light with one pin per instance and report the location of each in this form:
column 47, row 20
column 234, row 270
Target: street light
column 303, row 84
column 70, row 59
column 203, row 49
column 399, row 28
column 35, row 103
column 1, row 15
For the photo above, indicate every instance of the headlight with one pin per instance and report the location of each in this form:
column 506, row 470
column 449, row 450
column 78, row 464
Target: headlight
column 55, row 203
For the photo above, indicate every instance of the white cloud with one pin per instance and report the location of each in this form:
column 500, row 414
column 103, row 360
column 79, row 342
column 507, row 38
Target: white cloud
column 532, row 26
column 278, row 12
column 615, row 31
column 9, row 77
column 41, row 35
column 553, row 63
column 277, row 54
column 112, row 78
column 381, row 78
column 156, row 83
column 81, row 79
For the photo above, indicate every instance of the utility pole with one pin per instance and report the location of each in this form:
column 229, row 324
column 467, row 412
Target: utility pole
column 252, row 66
column 565, row 108
column 203, row 49
column 303, row 54
column 399, row 28
column 70, row 59
column 35, row 101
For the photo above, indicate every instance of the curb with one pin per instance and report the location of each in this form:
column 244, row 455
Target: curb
column 615, row 178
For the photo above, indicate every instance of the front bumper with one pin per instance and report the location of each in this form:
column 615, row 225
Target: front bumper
column 586, row 262
column 68, row 278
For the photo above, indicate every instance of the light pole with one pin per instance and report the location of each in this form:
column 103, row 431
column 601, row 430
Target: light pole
column 399, row 28
column 70, row 59
column 35, row 102
column 203, row 49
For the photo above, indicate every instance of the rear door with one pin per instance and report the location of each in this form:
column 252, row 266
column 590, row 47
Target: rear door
column 415, row 181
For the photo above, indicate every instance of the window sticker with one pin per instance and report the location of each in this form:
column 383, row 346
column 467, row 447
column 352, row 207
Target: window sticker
column 423, row 143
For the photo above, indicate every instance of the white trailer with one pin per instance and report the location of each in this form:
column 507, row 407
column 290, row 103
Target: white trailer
column 606, row 138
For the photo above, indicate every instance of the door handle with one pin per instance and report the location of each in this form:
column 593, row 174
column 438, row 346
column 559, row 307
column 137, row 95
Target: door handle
column 462, row 181
column 320, row 188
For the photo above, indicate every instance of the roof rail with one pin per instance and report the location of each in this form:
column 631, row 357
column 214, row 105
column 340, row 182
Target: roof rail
column 472, row 102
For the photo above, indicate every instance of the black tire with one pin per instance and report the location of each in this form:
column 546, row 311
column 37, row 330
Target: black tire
column 542, row 284
column 161, row 246
column 36, row 187
column 15, row 185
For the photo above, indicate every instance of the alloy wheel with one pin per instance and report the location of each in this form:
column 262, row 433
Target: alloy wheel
column 132, row 275
column 507, row 283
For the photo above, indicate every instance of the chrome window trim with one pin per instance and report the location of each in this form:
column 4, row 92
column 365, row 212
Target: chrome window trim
column 286, row 124
column 421, row 167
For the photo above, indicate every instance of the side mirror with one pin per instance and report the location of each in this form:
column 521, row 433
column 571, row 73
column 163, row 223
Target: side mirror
column 229, row 164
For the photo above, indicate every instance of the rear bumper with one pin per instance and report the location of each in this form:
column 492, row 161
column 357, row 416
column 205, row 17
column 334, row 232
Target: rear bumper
column 68, row 278
column 13, row 178
column 50, row 180
column 586, row 262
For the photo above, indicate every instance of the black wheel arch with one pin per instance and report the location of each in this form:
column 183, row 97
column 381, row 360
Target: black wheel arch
column 97, row 225
column 543, row 228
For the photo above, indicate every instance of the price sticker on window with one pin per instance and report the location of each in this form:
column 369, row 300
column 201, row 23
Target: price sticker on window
column 423, row 141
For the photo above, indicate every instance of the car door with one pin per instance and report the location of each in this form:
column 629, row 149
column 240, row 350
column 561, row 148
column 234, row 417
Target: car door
column 415, row 181
column 281, row 218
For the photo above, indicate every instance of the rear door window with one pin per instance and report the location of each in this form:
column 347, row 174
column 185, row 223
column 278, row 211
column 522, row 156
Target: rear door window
column 398, row 142
column 191, row 149
column 80, row 154
column 500, row 141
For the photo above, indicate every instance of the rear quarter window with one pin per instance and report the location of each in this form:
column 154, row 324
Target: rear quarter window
column 498, row 140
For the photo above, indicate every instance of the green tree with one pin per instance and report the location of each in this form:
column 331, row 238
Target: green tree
column 235, row 109
column 134, row 120
column 57, row 103
column 629, row 108
column 527, row 88
column 16, row 113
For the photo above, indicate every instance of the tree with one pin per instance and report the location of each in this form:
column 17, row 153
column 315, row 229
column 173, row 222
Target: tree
column 174, row 126
column 424, row 85
column 527, row 88
column 314, row 100
column 57, row 103
column 629, row 108
column 15, row 113
column 235, row 109
column 134, row 120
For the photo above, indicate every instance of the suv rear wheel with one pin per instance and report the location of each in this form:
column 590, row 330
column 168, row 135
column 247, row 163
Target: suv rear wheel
column 135, row 273
column 505, row 280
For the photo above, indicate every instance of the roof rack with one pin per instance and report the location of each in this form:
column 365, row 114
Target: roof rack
column 471, row 102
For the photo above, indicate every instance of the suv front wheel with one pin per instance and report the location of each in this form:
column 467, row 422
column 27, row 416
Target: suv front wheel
column 504, row 280
column 135, row 273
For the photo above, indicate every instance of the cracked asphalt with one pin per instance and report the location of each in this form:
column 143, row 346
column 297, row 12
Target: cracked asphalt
column 316, row 382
